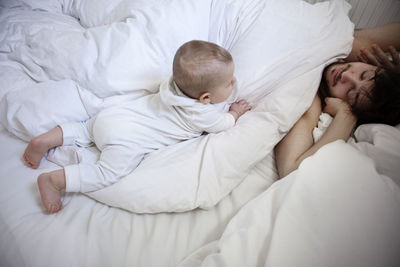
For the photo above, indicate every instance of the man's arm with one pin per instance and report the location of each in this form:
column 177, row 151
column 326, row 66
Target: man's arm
column 383, row 36
column 298, row 140
column 299, row 144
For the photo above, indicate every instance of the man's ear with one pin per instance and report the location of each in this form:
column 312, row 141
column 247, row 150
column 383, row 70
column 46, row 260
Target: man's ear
column 205, row 98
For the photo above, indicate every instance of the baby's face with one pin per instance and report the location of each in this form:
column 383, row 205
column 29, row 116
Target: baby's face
column 225, row 87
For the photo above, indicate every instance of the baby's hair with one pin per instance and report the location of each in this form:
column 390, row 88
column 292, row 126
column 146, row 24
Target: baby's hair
column 197, row 67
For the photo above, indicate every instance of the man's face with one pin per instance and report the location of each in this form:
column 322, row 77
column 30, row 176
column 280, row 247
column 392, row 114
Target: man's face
column 351, row 82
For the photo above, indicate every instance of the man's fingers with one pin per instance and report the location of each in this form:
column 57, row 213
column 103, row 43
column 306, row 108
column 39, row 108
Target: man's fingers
column 395, row 55
column 381, row 56
column 362, row 58
column 369, row 57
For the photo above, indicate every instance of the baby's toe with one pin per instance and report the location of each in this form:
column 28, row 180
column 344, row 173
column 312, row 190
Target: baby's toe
column 54, row 207
column 51, row 208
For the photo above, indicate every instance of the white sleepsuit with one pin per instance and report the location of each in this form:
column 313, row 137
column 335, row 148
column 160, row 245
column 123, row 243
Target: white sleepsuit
column 125, row 133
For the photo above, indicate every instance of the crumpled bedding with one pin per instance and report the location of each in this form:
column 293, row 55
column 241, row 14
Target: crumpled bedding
column 380, row 142
column 68, row 60
column 337, row 209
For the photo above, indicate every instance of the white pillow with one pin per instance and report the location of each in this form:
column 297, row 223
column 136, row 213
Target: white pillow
column 39, row 5
column 280, row 83
column 36, row 108
column 200, row 172
column 93, row 13
column 288, row 39
column 118, row 58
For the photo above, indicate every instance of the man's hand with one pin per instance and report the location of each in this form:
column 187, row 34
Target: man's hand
column 336, row 105
column 378, row 58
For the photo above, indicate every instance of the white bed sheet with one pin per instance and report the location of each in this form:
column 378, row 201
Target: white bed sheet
column 88, row 233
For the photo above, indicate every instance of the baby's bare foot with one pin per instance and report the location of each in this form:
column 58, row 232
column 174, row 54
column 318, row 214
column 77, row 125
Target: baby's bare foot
column 50, row 194
column 35, row 151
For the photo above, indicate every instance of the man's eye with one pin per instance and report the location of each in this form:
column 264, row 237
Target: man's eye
column 367, row 75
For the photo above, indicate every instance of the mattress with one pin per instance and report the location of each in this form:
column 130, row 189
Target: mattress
column 89, row 233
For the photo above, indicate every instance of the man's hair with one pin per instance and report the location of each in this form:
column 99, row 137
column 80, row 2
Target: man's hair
column 197, row 66
column 384, row 99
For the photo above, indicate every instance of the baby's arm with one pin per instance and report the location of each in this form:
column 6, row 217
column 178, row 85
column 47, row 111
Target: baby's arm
column 237, row 109
column 224, row 120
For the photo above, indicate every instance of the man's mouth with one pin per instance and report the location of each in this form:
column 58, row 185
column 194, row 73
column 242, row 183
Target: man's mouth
column 336, row 74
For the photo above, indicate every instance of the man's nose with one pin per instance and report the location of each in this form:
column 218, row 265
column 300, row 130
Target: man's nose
column 348, row 76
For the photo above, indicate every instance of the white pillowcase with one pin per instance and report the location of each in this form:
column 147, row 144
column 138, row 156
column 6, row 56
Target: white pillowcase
column 37, row 108
column 200, row 172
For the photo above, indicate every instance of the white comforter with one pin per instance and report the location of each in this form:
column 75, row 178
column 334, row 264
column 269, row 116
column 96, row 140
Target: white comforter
column 337, row 209
column 66, row 60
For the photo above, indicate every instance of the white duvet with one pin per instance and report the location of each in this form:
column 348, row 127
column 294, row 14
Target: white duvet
column 335, row 210
column 340, row 208
column 63, row 61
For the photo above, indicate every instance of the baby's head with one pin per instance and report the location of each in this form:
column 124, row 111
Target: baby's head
column 204, row 71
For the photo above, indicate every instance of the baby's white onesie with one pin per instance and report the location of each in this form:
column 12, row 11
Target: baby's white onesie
column 125, row 133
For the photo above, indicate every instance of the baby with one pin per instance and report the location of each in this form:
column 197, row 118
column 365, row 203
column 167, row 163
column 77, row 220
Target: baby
column 190, row 103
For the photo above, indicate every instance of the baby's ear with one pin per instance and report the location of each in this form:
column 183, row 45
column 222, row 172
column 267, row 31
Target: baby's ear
column 205, row 98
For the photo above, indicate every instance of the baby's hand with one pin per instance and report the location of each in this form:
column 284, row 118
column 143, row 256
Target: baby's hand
column 237, row 109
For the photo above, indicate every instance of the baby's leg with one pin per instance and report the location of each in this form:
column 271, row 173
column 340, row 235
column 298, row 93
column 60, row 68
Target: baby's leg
column 65, row 134
column 50, row 186
column 39, row 145
column 115, row 162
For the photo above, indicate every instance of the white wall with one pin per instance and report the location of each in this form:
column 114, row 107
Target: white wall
column 370, row 13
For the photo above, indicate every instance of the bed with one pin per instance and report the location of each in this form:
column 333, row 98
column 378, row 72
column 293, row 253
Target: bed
column 214, row 200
